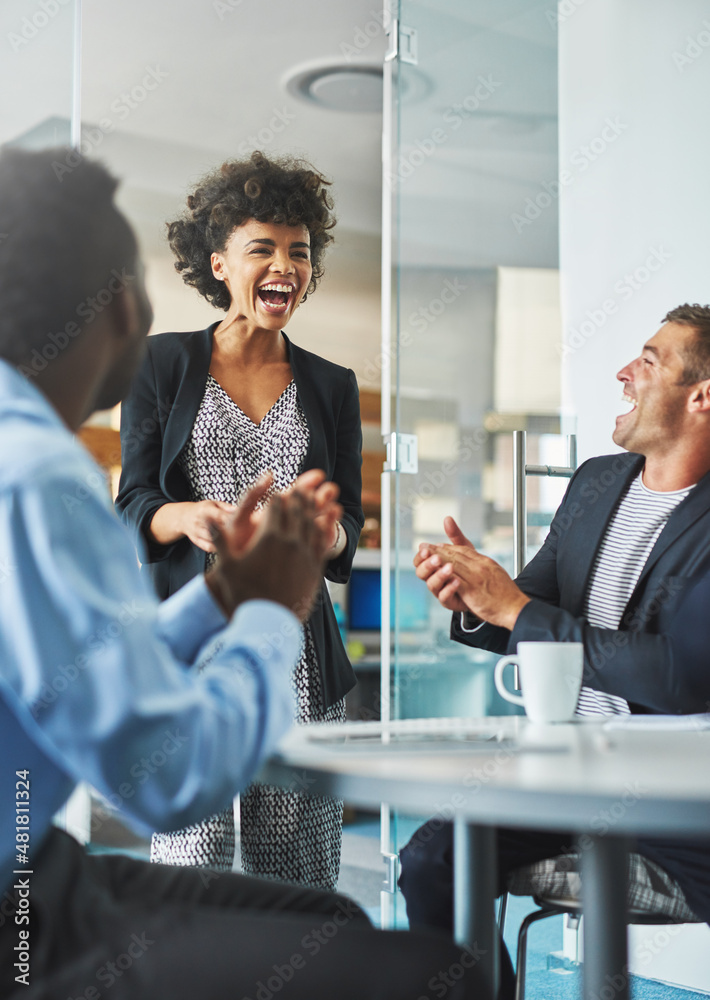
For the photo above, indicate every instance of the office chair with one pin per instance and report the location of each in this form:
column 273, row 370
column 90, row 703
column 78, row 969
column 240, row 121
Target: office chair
column 653, row 896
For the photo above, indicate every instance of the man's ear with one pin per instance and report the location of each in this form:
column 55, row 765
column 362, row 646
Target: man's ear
column 123, row 311
column 699, row 401
column 130, row 311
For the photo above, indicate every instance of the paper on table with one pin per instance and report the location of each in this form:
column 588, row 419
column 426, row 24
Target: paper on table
column 671, row 723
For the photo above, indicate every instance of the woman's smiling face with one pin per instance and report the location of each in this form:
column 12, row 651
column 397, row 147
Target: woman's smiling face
column 267, row 269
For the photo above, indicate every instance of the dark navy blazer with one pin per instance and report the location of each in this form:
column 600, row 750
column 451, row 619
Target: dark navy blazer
column 659, row 658
column 156, row 420
column 651, row 660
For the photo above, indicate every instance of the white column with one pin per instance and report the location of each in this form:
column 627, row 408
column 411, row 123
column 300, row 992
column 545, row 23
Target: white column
column 634, row 224
column 634, row 207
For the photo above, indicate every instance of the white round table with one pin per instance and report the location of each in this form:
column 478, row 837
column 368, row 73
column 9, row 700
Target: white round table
column 605, row 780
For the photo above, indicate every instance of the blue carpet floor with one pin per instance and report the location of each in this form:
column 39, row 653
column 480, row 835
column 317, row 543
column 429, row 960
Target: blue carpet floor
column 544, row 938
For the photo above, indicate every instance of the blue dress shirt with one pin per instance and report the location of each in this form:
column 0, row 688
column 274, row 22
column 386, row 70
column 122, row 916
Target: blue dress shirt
column 98, row 681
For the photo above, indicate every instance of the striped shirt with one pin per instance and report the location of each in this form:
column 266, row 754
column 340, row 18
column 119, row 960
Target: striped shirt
column 633, row 530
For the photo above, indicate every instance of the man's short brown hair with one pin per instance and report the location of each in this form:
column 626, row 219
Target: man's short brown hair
column 697, row 357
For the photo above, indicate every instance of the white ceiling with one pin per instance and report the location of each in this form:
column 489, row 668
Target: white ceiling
column 218, row 68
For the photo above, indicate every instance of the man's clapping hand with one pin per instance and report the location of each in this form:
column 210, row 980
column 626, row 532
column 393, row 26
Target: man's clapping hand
column 464, row 580
column 440, row 580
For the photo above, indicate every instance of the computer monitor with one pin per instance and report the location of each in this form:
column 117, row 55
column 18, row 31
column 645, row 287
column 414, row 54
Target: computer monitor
column 364, row 595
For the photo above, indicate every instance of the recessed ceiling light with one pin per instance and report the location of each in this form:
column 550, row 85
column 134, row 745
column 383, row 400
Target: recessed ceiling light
column 339, row 86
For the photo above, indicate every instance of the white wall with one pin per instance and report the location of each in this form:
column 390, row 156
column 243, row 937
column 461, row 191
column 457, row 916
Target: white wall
column 527, row 338
column 635, row 187
column 634, row 231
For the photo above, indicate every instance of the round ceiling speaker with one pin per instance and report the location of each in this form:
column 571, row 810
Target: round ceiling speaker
column 348, row 87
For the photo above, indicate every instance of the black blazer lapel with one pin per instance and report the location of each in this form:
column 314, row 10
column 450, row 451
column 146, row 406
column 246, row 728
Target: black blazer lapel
column 598, row 499
column 317, row 453
column 682, row 518
column 188, row 377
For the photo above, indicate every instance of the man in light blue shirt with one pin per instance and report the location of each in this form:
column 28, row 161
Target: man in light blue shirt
column 98, row 682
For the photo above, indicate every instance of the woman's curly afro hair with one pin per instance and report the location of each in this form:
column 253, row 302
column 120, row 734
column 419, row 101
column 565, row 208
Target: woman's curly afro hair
column 283, row 190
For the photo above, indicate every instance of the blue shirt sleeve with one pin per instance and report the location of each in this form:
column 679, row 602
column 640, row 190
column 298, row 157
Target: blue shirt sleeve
column 102, row 666
column 189, row 619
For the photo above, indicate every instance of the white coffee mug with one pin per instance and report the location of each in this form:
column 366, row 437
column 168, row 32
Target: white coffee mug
column 550, row 679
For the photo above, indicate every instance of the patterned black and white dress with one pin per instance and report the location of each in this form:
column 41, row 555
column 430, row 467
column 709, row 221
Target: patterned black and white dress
column 285, row 835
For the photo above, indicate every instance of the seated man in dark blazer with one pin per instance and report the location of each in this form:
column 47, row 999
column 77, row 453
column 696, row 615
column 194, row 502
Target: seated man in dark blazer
column 625, row 570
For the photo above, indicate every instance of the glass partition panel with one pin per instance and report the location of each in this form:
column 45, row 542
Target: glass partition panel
column 40, row 83
column 37, row 72
column 475, row 260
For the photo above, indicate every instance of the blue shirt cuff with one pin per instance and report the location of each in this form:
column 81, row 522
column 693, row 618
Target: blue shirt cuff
column 189, row 619
column 274, row 631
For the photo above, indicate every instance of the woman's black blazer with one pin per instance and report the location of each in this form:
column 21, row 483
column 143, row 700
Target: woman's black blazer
column 156, row 420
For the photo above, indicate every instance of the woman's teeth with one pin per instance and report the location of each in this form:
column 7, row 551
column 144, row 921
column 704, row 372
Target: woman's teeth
column 275, row 296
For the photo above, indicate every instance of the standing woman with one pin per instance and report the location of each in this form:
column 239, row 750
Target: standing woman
column 212, row 410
